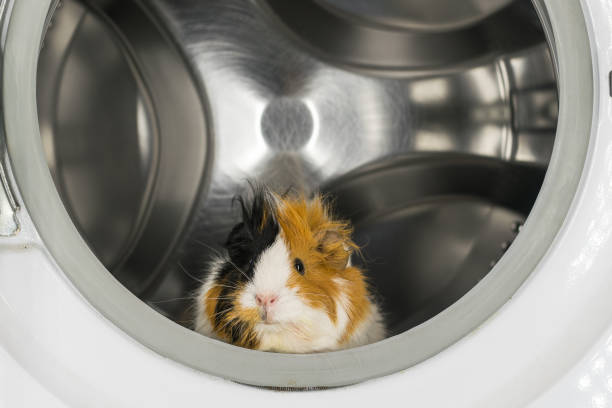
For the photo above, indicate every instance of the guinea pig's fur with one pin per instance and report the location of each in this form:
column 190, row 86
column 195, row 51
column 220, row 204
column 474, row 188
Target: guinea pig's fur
column 286, row 283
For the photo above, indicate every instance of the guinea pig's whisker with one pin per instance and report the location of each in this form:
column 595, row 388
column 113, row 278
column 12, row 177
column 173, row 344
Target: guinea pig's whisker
column 227, row 286
column 204, row 244
column 171, row 300
column 226, row 324
column 190, row 307
column 188, row 274
column 222, row 311
column 243, row 274
column 239, row 269
column 220, row 298
column 218, row 253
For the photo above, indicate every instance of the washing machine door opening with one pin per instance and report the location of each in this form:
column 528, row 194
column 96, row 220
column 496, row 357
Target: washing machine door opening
column 150, row 124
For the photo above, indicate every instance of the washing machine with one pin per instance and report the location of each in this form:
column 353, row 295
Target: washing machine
column 468, row 142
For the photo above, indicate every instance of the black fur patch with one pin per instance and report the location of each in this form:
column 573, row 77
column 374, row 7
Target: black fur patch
column 255, row 233
column 246, row 242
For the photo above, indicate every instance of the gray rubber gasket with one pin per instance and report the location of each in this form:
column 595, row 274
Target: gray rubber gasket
column 135, row 318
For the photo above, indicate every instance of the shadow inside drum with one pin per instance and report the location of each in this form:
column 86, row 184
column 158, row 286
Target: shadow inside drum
column 432, row 226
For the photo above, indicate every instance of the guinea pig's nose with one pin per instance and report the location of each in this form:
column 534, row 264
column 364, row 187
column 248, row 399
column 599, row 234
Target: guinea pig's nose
column 266, row 300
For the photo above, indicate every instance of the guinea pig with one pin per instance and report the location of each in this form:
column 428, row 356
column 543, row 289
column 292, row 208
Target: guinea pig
column 286, row 283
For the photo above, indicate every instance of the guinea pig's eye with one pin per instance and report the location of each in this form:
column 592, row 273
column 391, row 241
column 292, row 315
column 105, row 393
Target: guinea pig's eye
column 251, row 263
column 299, row 266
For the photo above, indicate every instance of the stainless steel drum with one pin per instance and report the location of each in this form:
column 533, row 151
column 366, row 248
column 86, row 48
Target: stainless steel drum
column 431, row 130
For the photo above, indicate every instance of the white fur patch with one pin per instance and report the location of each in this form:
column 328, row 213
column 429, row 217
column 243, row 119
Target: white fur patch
column 371, row 329
column 273, row 268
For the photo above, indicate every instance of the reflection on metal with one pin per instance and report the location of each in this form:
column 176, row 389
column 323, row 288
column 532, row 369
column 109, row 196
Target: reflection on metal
column 380, row 46
column 283, row 108
column 421, row 15
column 124, row 133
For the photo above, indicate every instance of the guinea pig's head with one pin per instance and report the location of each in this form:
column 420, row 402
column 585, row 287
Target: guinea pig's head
column 281, row 288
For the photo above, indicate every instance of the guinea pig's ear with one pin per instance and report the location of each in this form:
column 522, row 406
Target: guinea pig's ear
column 336, row 246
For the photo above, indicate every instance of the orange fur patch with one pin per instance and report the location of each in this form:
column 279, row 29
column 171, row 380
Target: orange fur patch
column 324, row 246
column 249, row 317
column 210, row 303
column 358, row 301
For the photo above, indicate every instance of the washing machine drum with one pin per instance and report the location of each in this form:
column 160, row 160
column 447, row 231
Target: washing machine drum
column 429, row 125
